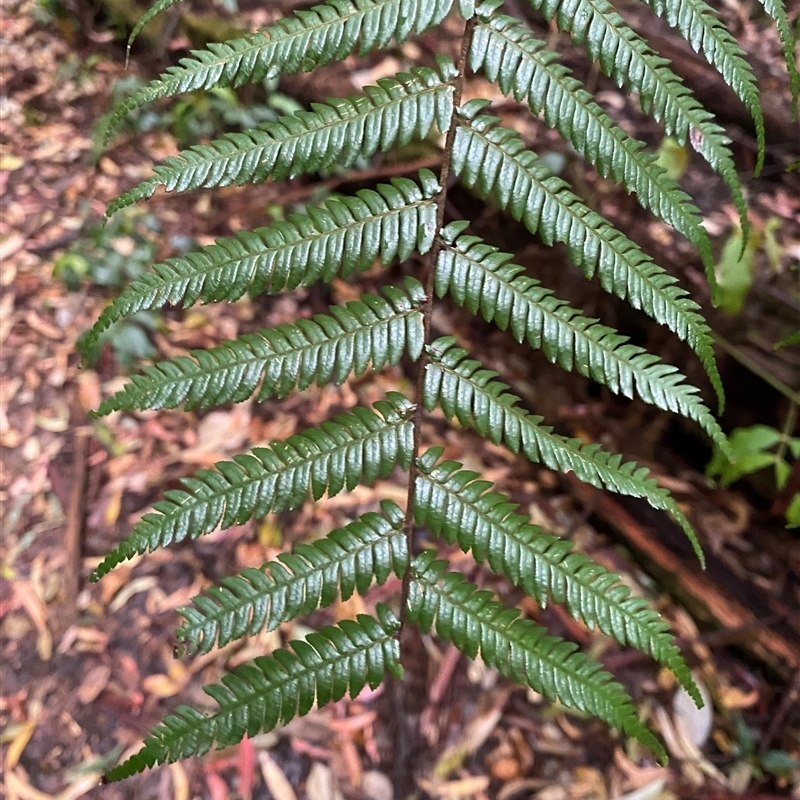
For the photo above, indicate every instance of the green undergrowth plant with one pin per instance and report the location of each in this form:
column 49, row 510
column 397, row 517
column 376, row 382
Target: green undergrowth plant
column 404, row 221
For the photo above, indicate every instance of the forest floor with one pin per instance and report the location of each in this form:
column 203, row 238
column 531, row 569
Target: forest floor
column 87, row 669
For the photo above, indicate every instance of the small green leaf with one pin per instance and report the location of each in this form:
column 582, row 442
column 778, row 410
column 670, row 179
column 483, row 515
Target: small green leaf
column 735, row 271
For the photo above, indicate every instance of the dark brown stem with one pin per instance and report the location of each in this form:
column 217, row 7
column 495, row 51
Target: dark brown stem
column 403, row 769
column 427, row 280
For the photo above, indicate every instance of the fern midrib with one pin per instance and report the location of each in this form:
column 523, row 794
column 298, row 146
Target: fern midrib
column 429, row 281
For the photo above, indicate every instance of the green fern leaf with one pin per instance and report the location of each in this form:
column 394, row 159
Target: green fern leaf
column 456, row 505
column 300, row 42
column 272, row 690
column 312, row 576
column 358, row 447
column 474, row 623
column 372, row 331
column 338, row 132
column 699, row 25
column 346, row 235
column 480, row 278
column 494, row 161
column 625, row 57
column 159, row 7
column 466, row 8
column 510, row 55
column 463, row 389
column 777, row 10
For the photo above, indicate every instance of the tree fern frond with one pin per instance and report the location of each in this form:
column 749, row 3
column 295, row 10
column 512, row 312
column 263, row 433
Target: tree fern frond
column 345, row 235
column 304, row 40
column 312, row 576
column 371, row 331
column 510, row 55
column 777, row 10
column 700, row 26
column 159, row 7
column 456, row 505
column 358, row 447
column 461, row 613
column 493, row 160
column 463, row 389
column 466, row 8
column 272, row 690
column 625, row 57
column 480, row 278
column 338, row 132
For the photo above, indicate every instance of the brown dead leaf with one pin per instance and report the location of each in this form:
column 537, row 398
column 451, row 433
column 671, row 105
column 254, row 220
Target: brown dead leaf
column 24, row 734
column 93, row 683
column 275, row 779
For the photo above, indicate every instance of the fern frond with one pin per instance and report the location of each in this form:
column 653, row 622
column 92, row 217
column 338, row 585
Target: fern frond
column 493, row 160
column 371, row 331
column 469, row 618
column 480, row 278
column 700, row 26
column 338, row 132
column 358, row 447
column 463, row 389
column 456, row 505
column 272, row 690
column 159, row 7
column 312, row 576
column 508, row 53
column 777, row 10
column 298, row 43
column 625, row 57
column 345, row 235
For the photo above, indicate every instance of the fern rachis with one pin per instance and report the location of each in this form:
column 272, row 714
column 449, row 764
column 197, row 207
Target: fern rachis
column 405, row 221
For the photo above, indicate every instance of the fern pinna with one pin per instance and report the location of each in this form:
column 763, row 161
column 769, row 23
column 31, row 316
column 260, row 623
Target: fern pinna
column 404, row 220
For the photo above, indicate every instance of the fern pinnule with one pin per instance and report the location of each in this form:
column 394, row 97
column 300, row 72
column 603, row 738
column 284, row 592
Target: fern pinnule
column 480, row 278
column 493, row 160
column 159, row 7
column 445, row 602
column 339, row 131
column 343, row 236
column 463, row 389
column 700, row 26
column 300, row 42
column 358, row 447
column 777, row 10
column 312, row 576
column 625, row 57
column 272, row 690
column 372, row 332
column 508, row 54
column 460, row 507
